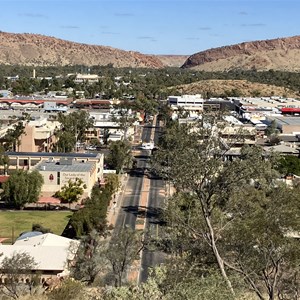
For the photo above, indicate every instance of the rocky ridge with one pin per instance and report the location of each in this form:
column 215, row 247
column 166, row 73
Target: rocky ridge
column 34, row 49
column 278, row 54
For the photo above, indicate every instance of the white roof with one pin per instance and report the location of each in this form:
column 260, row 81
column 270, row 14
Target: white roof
column 47, row 239
column 49, row 251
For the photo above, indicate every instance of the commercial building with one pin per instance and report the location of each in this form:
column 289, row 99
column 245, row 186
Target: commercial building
column 193, row 104
column 286, row 124
column 89, row 78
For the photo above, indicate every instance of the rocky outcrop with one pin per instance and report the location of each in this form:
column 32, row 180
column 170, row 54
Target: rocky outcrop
column 277, row 54
column 40, row 50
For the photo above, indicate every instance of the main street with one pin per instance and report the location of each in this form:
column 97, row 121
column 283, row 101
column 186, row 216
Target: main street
column 156, row 198
column 131, row 196
column 130, row 206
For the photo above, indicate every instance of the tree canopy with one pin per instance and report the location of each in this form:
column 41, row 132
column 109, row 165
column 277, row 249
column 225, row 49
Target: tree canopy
column 230, row 215
column 74, row 126
column 119, row 155
column 71, row 191
column 22, row 187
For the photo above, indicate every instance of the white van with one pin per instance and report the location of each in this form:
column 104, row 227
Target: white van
column 147, row 146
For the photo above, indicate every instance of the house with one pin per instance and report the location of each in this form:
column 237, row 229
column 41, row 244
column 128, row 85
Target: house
column 52, row 253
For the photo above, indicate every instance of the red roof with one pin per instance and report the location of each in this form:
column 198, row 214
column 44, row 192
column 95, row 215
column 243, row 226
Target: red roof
column 3, row 178
column 51, row 200
column 36, row 101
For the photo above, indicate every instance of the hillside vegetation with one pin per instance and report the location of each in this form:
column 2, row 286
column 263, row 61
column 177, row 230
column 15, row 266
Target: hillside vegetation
column 245, row 88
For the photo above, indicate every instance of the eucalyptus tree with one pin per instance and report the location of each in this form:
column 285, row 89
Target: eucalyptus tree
column 73, row 130
column 193, row 159
column 124, row 115
column 119, row 156
column 13, row 135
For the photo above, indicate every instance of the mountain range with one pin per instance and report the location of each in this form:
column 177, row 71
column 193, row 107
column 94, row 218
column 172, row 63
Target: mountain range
column 39, row 50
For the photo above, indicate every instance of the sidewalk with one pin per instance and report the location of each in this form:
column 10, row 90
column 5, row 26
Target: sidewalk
column 116, row 202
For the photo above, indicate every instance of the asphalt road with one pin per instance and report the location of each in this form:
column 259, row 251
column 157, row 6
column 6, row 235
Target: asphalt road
column 156, row 200
column 129, row 209
column 150, row 258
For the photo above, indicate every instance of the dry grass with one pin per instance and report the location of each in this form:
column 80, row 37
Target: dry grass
column 246, row 88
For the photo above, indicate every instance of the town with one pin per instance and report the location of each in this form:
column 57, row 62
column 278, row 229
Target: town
column 115, row 173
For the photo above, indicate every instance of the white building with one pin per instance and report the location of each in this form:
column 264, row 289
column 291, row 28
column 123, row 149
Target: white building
column 57, row 173
column 52, row 253
column 90, row 78
column 192, row 104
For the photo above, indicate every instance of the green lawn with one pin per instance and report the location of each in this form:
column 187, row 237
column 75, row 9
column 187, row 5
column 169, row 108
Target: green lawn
column 16, row 222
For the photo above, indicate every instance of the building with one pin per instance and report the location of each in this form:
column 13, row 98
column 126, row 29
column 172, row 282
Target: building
column 31, row 103
column 89, row 78
column 105, row 124
column 39, row 135
column 236, row 134
column 193, row 104
column 52, row 253
column 248, row 107
column 93, row 104
column 5, row 94
column 29, row 160
column 286, row 124
column 57, row 173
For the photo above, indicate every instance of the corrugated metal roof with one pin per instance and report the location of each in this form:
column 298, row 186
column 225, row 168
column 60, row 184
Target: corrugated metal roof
column 57, row 167
column 54, row 154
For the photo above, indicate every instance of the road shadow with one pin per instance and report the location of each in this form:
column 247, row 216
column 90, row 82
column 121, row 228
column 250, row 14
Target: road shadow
column 154, row 214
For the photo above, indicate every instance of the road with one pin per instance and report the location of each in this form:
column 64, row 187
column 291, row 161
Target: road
column 131, row 200
column 129, row 209
column 150, row 258
column 156, row 200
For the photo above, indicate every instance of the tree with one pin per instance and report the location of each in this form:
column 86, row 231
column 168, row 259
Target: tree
column 289, row 164
column 90, row 259
column 149, row 107
column 41, row 228
column 74, row 126
column 124, row 116
column 68, row 289
column 119, row 155
column 4, row 160
column 124, row 249
column 180, row 286
column 112, row 183
column 192, row 158
column 18, row 276
column 12, row 136
column 272, row 129
column 92, row 216
column 71, row 191
column 263, row 219
column 22, row 187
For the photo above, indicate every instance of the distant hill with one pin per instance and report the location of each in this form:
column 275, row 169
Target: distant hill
column 39, row 50
column 244, row 87
column 278, row 54
column 172, row 60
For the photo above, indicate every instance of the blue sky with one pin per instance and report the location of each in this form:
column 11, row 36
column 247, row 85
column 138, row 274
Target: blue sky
column 153, row 26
